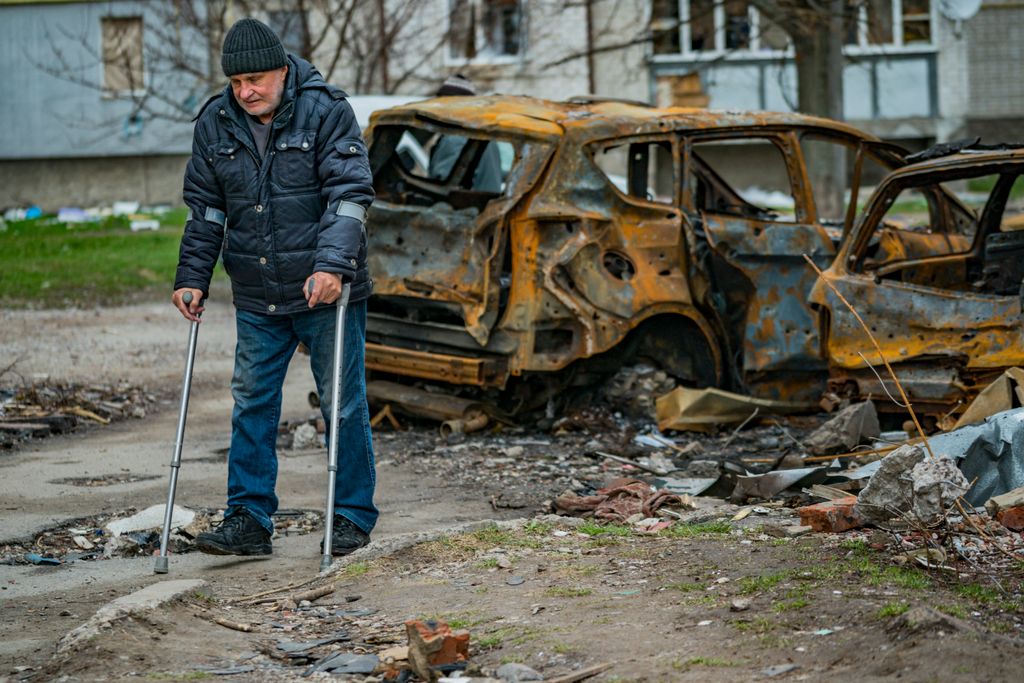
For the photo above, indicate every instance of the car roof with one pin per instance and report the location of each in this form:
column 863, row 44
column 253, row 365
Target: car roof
column 962, row 160
column 592, row 118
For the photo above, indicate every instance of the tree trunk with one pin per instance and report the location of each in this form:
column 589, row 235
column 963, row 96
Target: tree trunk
column 819, row 74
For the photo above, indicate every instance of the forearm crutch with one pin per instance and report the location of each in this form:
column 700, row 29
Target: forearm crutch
column 161, row 560
column 332, row 429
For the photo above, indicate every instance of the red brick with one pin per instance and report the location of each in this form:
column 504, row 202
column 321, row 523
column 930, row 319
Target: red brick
column 1012, row 518
column 831, row 516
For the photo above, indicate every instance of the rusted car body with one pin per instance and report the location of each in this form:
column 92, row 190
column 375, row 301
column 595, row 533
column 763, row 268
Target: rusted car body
column 940, row 286
column 568, row 268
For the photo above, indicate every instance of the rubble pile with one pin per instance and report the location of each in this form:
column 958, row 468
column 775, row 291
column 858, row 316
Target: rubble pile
column 41, row 408
column 633, row 389
column 134, row 533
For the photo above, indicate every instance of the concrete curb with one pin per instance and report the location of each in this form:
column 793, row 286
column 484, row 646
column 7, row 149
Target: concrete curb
column 144, row 600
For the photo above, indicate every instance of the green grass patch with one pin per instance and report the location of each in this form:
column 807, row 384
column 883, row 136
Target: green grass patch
column 684, row 530
column 953, row 611
column 594, row 529
column 45, row 264
column 356, row 569
column 568, row 591
column 535, row 528
column 790, row 605
column 701, row 661
column 755, row 625
column 905, row 578
column 982, row 595
column 764, row 582
column 893, row 609
column 487, row 563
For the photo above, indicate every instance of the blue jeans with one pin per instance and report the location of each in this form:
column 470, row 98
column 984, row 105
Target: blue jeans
column 266, row 344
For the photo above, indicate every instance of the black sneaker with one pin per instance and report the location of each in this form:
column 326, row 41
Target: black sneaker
column 346, row 537
column 239, row 534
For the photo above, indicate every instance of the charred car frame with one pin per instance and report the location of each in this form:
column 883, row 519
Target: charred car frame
column 521, row 248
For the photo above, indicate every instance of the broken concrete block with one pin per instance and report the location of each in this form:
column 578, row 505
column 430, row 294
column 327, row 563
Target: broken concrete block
column 908, row 483
column 937, row 483
column 889, row 492
column 832, row 516
column 151, row 518
column 1012, row 518
column 851, row 426
column 1014, row 498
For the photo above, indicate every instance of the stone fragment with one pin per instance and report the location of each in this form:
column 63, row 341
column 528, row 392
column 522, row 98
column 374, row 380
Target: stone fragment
column 851, row 426
column 890, row 492
column 832, row 516
column 937, row 483
column 740, row 605
column 514, row 672
column 305, row 438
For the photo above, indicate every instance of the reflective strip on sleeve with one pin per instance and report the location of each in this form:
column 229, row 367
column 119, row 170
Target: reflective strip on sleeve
column 215, row 216
column 352, row 210
column 188, row 216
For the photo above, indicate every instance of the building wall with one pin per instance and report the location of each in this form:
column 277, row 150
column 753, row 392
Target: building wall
column 84, row 182
column 46, row 115
column 995, row 39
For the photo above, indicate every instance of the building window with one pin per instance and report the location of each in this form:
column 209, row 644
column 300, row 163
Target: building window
column 485, row 29
column 698, row 26
column 122, row 54
column 290, row 28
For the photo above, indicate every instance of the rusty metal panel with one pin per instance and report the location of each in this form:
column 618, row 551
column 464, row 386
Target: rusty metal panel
column 440, row 367
column 781, row 330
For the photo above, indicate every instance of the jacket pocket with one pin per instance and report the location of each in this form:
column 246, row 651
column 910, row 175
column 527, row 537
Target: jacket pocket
column 226, row 158
column 295, row 162
column 355, row 166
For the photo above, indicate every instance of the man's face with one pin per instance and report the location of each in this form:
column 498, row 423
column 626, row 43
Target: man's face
column 259, row 94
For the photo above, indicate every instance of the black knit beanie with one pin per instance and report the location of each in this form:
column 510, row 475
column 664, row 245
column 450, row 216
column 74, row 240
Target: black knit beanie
column 251, row 46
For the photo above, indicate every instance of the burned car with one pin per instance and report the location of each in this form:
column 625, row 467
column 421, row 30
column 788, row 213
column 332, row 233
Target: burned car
column 935, row 267
column 523, row 248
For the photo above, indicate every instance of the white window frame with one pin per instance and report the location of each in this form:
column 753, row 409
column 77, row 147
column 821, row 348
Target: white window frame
column 720, row 52
column 451, row 60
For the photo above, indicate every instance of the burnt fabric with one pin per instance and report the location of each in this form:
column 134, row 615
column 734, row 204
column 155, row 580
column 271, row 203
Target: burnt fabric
column 618, row 502
column 276, row 220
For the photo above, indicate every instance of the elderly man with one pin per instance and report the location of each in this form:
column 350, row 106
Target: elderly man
column 279, row 183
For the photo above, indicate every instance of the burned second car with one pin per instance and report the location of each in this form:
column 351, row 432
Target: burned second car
column 524, row 248
column 935, row 266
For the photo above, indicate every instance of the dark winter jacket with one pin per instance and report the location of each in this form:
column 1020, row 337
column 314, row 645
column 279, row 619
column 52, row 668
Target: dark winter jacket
column 299, row 210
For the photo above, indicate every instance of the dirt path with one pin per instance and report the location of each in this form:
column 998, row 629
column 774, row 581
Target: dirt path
column 708, row 600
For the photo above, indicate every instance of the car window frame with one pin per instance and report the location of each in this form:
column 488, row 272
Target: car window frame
column 591, row 146
column 788, row 146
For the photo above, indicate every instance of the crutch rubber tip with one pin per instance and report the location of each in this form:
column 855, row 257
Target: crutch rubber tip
column 161, row 566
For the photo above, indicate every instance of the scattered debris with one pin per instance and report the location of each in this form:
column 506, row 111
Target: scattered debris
column 618, row 502
column 1005, row 393
column 306, row 437
column 42, row 408
column 433, row 643
column 151, row 518
column 686, row 409
column 832, row 516
column 851, row 426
